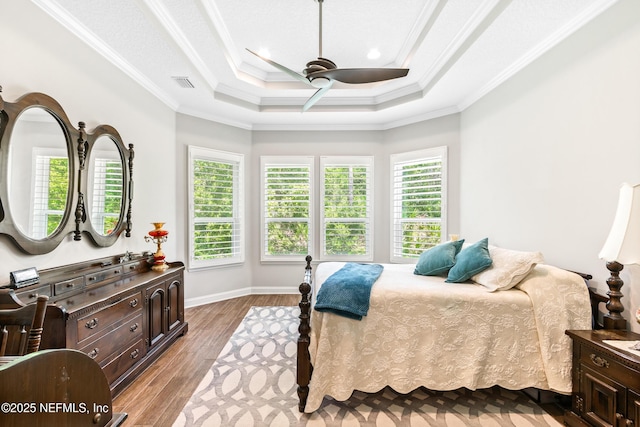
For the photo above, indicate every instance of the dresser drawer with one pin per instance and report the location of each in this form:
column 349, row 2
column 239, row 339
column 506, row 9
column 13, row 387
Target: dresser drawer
column 119, row 365
column 71, row 285
column 114, row 340
column 609, row 366
column 134, row 267
column 98, row 321
column 104, row 275
column 32, row 294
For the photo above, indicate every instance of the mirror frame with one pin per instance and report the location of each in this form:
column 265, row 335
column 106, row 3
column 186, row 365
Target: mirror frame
column 78, row 144
column 126, row 159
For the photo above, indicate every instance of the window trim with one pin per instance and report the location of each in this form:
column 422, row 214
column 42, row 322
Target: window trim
column 367, row 161
column 416, row 156
column 213, row 155
column 272, row 161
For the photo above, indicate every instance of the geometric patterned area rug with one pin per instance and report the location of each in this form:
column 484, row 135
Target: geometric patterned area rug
column 252, row 383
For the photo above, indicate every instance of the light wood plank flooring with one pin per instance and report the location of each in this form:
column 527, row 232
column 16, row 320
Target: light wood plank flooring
column 157, row 396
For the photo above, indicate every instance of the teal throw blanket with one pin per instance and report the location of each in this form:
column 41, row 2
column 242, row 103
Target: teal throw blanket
column 347, row 291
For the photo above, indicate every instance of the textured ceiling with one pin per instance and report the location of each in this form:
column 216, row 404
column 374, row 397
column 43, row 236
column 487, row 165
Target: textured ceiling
column 456, row 50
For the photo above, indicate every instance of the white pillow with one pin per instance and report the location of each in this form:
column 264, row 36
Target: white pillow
column 509, row 267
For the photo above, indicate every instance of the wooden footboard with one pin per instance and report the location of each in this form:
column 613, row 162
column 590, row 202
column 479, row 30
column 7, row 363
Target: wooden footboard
column 304, row 361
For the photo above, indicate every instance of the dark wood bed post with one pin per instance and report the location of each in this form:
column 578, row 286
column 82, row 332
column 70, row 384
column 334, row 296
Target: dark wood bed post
column 304, row 360
column 614, row 319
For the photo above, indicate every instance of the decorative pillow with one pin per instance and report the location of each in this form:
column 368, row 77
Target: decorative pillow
column 471, row 260
column 439, row 259
column 508, row 269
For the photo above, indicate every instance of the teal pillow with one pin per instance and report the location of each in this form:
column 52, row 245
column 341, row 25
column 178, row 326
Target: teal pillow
column 471, row 260
column 439, row 259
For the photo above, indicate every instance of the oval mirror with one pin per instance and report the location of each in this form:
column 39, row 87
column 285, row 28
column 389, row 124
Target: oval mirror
column 105, row 185
column 38, row 173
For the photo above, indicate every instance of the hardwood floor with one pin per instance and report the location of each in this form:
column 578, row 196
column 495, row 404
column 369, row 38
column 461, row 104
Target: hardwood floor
column 157, row 396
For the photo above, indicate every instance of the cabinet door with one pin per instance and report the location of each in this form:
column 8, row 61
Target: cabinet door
column 633, row 408
column 175, row 311
column 156, row 296
column 605, row 399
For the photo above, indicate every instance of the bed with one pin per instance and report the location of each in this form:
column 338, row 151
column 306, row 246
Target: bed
column 421, row 331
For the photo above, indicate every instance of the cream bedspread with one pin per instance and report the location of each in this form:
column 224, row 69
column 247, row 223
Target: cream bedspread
column 421, row 331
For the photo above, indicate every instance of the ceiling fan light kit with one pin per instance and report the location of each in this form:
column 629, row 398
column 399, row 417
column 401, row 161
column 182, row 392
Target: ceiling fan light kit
column 322, row 72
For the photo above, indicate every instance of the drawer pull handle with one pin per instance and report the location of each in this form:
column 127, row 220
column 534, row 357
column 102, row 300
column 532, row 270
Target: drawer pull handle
column 92, row 278
column 93, row 353
column 134, row 302
column 599, row 361
column 135, row 353
column 133, row 327
column 91, row 324
column 33, row 296
column 69, row 285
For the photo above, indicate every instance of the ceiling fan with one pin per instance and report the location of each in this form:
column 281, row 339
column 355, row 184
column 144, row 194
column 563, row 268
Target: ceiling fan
column 322, row 72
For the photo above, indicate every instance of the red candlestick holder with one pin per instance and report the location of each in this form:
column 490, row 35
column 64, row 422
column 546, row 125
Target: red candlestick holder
column 158, row 236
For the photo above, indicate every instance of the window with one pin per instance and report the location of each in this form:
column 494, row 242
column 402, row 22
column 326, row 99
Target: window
column 50, row 193
column 346, row 208
column 287, row 211
column 107, row 193
column 418, row 202
column 216, row 208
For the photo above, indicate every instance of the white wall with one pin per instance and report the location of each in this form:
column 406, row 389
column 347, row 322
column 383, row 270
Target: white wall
column 38, row 55
column 543, row 155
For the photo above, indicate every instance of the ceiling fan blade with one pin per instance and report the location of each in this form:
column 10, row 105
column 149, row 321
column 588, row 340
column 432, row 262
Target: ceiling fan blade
column 361, row 75
column 316, row 96
column 289, row 71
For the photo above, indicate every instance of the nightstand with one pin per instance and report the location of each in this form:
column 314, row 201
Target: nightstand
column 606, row 380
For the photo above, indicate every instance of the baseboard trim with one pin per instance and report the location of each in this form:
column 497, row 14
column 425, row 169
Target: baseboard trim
column 222, row 296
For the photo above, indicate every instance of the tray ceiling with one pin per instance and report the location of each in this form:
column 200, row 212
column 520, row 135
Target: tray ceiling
column 457, row 51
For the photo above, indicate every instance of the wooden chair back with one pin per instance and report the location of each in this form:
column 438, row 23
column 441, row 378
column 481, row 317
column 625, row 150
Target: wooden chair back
column 21, row 327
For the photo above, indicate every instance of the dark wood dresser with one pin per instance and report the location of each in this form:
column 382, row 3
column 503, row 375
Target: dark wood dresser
column 606, row 380
column 115, row 309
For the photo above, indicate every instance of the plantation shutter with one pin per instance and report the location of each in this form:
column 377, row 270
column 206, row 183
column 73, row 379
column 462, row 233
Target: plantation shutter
column 346, row 208
column 286, row 207
column 418, row 202
column 216, row 208
column 107, row 194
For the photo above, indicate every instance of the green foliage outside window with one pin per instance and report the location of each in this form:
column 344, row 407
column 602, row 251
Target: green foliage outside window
column 345, row 210
column 213, row 197
column 57, row 191
column 287, row 196
column 421, row 204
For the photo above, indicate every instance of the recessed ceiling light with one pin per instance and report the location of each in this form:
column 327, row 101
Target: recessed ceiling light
column 373, row 54
column 264, row 53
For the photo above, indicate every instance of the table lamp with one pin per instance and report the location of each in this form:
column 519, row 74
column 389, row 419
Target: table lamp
column 621, row 247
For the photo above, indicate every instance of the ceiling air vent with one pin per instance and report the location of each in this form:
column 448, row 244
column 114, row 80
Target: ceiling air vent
column 183, row 82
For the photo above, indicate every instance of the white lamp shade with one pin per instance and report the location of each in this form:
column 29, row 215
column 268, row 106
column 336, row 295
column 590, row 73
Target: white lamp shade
column 623, row 243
